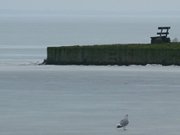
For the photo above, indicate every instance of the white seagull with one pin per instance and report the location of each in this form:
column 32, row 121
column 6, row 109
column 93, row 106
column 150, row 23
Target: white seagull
column 124, row 122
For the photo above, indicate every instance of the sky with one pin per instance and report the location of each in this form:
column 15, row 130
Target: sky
column 90, row 6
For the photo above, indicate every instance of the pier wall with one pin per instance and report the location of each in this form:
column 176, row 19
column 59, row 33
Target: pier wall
column 115, row 54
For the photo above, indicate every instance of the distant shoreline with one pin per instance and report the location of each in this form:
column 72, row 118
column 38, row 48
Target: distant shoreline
column 115, row 54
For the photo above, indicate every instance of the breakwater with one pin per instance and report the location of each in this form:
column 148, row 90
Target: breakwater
column 115, row 54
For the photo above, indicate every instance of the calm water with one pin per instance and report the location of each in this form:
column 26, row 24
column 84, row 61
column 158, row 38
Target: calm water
column 60, row 30
column 86, row 100
column 83, row 100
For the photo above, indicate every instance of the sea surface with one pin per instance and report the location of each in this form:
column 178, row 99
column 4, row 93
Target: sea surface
column 84, row 100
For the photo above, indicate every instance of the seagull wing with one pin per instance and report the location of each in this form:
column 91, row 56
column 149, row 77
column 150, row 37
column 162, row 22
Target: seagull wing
column 124, row 122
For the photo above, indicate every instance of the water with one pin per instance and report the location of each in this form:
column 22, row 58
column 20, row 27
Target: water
column 61, row 30
column 83, row 100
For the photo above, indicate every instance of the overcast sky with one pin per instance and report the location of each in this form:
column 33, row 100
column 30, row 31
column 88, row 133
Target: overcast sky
column 64, row 6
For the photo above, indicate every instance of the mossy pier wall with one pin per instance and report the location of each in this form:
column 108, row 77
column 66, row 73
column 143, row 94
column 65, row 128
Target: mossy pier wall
column 116, row 54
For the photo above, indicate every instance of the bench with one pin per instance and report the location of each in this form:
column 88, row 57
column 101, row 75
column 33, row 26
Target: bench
column 162, row 36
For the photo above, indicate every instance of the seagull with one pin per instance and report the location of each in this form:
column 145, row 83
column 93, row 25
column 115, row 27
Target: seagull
column 124, row 122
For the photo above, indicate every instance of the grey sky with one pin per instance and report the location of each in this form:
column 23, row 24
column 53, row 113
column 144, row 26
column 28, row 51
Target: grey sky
column 90, row 5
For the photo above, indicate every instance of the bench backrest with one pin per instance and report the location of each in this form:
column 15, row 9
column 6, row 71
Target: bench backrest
column 164, row 31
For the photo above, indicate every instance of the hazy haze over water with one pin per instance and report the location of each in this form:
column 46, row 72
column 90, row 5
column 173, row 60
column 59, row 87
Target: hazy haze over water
column 68, row 22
